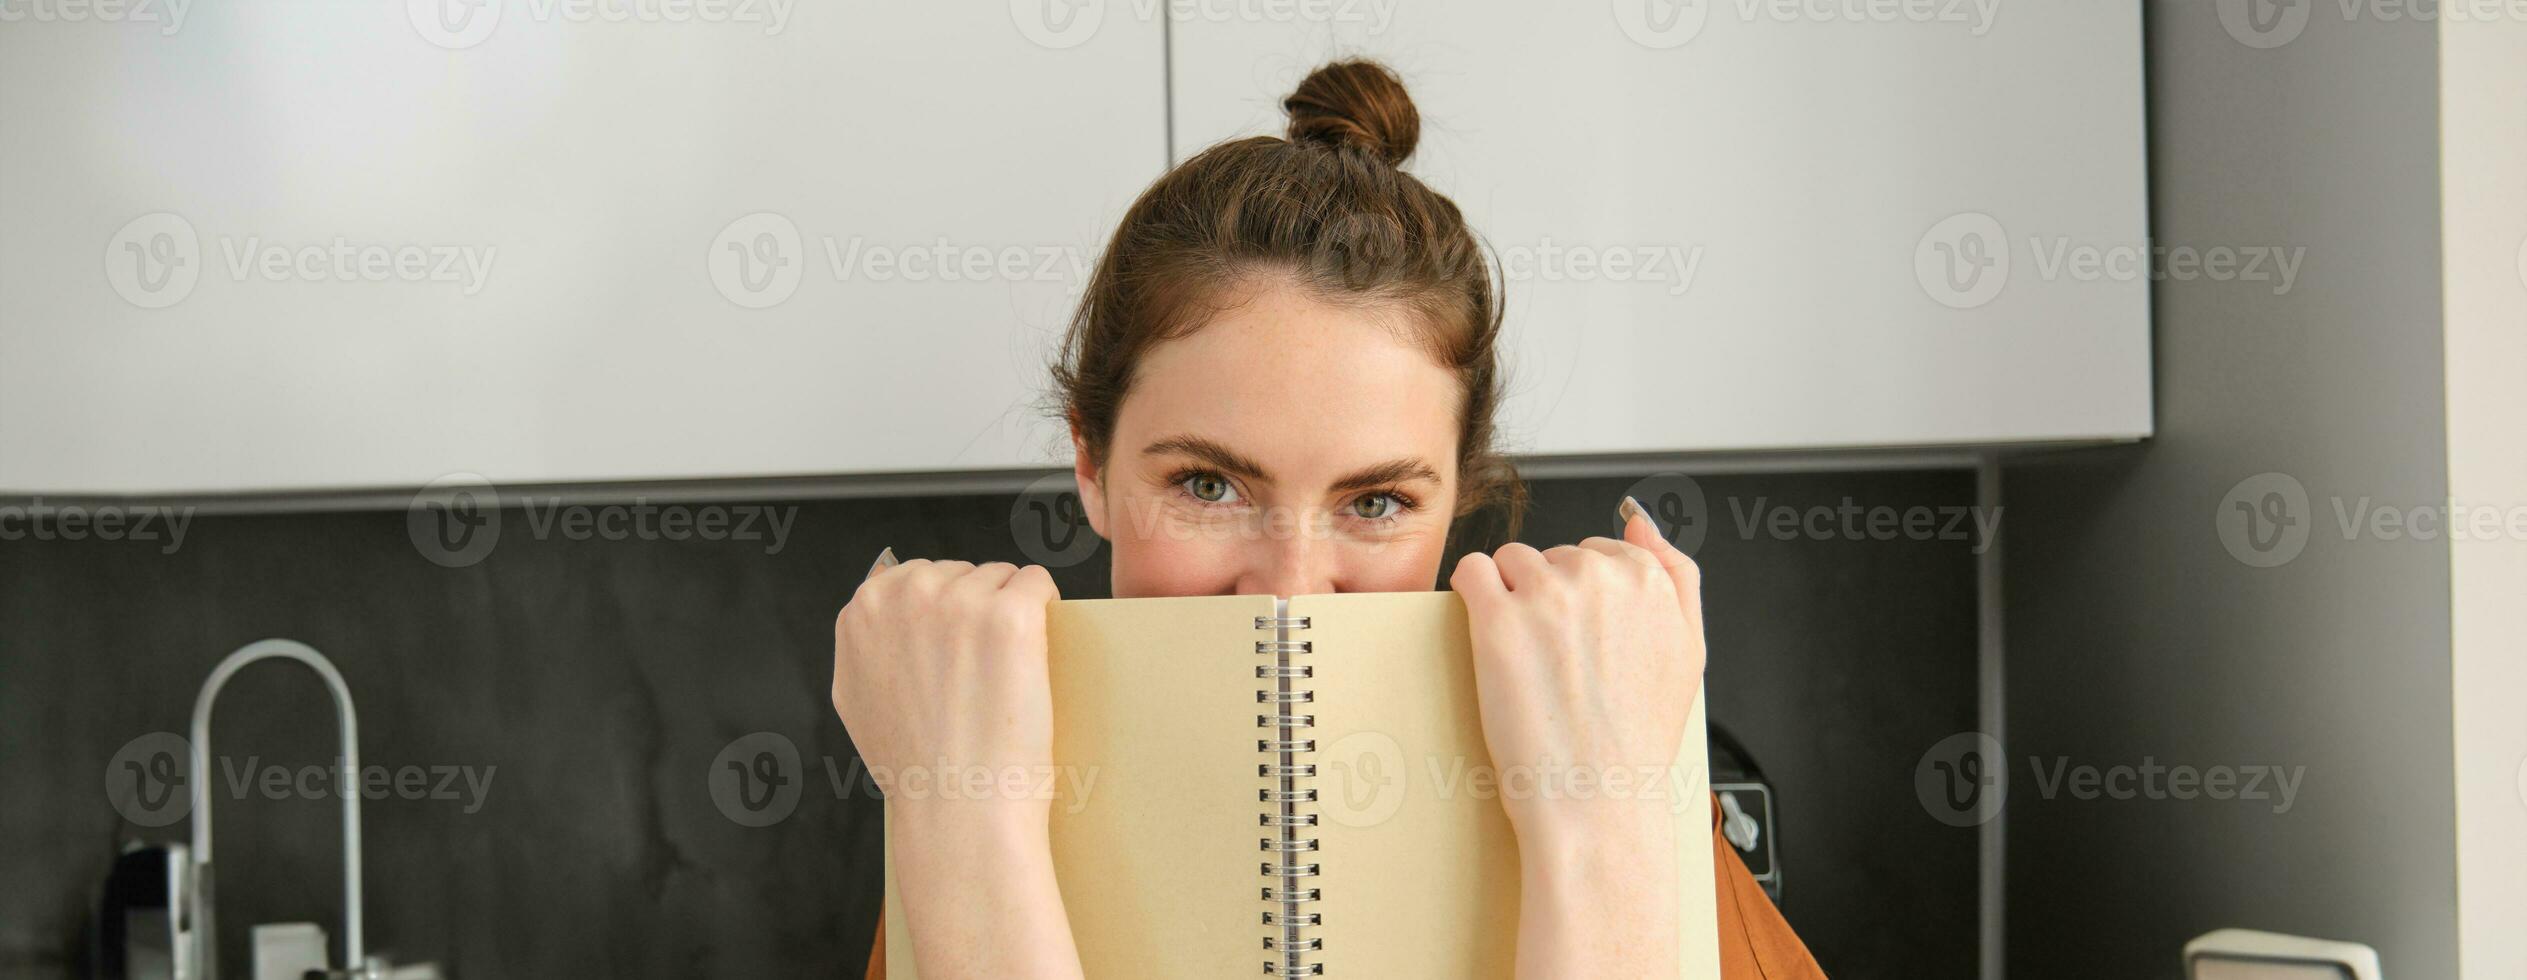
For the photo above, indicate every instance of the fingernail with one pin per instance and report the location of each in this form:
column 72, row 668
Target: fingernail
column 885, row 559
column 1631, row 508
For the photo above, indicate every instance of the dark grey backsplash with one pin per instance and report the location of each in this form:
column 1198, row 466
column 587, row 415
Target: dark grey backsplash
column 596, row 682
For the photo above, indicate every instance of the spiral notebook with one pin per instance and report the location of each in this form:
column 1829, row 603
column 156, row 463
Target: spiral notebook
column 1299, row 784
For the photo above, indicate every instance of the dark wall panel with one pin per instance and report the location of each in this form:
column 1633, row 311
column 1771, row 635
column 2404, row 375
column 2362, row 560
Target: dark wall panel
column 597, row 682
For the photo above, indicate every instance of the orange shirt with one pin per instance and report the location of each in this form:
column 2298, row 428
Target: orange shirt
column 1755, row 942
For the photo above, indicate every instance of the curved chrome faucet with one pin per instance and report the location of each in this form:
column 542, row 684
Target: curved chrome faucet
column 203, row 951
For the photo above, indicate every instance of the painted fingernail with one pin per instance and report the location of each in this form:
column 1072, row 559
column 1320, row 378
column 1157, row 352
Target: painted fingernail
column 885, row 559
column 1632, row 508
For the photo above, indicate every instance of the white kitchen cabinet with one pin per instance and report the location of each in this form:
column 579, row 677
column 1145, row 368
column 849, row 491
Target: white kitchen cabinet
column 312, row 247
column 1733, row 225
column 535, row 206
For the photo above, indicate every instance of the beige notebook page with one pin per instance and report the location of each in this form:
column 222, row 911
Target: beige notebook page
column 1419, row 869
column 1157, row 862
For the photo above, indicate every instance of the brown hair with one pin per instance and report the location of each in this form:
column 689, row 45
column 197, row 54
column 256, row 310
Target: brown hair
column 1327, row 208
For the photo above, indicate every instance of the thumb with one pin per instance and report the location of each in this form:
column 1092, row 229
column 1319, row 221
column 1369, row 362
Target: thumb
column 1640, row 531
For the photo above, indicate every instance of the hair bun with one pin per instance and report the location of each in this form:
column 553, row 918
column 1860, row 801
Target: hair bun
column 1358, row 104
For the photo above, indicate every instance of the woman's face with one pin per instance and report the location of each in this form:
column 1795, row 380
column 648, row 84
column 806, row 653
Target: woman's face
column 1287, row 447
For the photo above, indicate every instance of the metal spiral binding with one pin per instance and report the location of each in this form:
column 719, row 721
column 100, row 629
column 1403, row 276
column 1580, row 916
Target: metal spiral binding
column 1285, row 752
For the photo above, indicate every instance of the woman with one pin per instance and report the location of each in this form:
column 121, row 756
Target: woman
column 1282, row 380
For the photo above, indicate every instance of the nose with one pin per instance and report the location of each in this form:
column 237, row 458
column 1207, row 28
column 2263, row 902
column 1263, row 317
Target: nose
column 1290, row 557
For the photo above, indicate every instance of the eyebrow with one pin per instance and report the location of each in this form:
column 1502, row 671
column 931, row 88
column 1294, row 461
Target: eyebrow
column 1229, row 461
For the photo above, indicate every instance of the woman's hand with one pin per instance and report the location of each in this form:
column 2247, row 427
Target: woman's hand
column 1587, row 658
column 940, row 678
column 942, row 663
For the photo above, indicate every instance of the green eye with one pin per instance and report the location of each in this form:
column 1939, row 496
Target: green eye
column 1376, row 506
column 1207, row 487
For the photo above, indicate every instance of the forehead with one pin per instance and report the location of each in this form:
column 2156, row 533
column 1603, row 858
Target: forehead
column 1306, row 388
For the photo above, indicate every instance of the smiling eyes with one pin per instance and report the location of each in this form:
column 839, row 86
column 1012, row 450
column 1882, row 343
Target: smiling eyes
column 1211, row 489
column 1376, row 506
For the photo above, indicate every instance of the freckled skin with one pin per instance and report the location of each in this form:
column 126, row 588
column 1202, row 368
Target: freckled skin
column 1307, row 391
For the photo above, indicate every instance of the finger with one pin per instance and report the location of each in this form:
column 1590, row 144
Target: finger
column 990, row 576
column 1034, row 580
column 1641, row 532
column 936, row 571
column 1521, row 566
column 1565, row 555
column 888, row 572
column 1477, row 580
column 1620, row 549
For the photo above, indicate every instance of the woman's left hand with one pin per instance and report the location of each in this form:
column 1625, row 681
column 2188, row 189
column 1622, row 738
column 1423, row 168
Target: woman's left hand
column 1587, row 658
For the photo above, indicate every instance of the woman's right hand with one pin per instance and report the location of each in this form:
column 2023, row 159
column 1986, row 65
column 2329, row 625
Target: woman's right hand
column 939, row 674
column 940, row 678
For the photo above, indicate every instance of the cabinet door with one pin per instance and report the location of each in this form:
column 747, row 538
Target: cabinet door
column 295, row 246
column 1736, row 225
